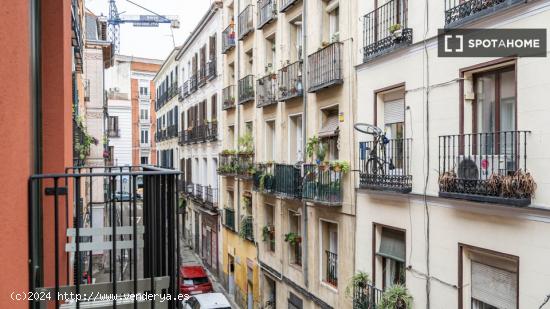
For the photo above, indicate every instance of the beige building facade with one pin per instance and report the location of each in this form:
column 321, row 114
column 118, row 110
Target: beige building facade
column 446, row 205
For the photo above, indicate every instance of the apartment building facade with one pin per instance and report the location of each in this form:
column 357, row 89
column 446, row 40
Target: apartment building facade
column 287, row 187
column 446, row 195
column 131, row 120
column 167, row 114
column 199, row 131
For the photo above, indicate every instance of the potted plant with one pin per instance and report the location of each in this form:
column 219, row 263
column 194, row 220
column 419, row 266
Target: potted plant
column 267, row 231
column 293, row 238
column 396, row 297
column 396, row 30
column 358, row 281
column 340, row 166
column 311, row 145
column 321, row 152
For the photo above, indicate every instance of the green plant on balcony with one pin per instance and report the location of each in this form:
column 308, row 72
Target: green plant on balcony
column 393, row 28
column 228, row 152
column 396, row 297
column 340, row 166
column 245, row 144
column 267, row 232
column 293, row 238
column 358, row 281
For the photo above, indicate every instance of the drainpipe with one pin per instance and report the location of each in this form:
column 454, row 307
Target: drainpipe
column 305, row 75
column 237, row 107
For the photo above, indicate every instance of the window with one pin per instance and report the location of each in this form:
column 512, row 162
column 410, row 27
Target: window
column 268, row 234
column 296, row 39
column 329, row 132
column 231, row 136
column 145, row 136
column 270, row 54
column 143, row 91
column 144, row 160
column 86, row 90
column 144, row 114
column 333, row 15
column 490, row 279
column 329, row 246
column 248, row 127
column 390, row 255
column 112, row 126
column 294, row 302
column 270, row 140
column 295, row 151
column 214, row 108
column 295, row 229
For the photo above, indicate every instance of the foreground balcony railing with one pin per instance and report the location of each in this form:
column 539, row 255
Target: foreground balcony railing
column 287, row 4
column 385, row 166
column 246, row 228
column 228, row 94
column 229, row 218
column 267, row 12
column 211, row 69
column 193, row 83
column 121, row 253
column 322, row 184
column 486, row 167
column 246, row 89
column 385, row 29
column 325, row 67
column 367, row 297
column 228, row 39
column 332, row 268
column 459, row 11
column 290, row 81
column 266, row 89
column 246, row 23
column 238, row 165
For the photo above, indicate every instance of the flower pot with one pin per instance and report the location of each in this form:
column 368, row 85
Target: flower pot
column 397, row 34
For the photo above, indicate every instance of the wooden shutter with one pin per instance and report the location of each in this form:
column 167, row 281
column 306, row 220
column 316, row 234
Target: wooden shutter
column 214, row 106
column 494, row 286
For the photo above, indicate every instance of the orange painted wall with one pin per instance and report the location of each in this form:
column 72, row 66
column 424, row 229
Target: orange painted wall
column 15, row 142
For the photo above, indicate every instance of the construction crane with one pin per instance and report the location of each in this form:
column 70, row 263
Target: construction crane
column 152, row 20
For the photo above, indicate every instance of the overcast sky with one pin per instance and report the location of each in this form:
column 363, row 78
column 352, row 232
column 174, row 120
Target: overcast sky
column 153, row 42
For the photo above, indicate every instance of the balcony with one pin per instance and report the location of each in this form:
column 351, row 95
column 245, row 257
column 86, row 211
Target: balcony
column 486, row 167
column 282, row 180
column 228, row 39
column 332, row 268
column 200, row 134
column 184, row 91
column 198, row 194
column 211, row 199
column 229, row 218
column 459, row 12
column 246, row 228
column 267, row 12
column 385, row 29
column 171, row 131
column 193, row 83
column 287, row 4
column 238, row 165
column 228, row 94
column 246, row 89
column 76, row 36
column 246, row 23
column 85, row 257
column 322, row 184
column 172, row 91
column 290, row 81
column 385, row 165
column 266, row 90
column 367, row 297
column 325, row 67
column 263, row 180
column 202, row 75
column 211, row 70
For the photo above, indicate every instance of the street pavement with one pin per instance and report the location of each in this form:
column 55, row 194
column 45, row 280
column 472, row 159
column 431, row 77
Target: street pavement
column 188, row 257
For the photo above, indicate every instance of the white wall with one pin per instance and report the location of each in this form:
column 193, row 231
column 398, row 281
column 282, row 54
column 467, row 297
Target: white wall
column 123, row 143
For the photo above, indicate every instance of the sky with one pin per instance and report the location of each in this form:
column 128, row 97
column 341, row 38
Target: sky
column 153, row 42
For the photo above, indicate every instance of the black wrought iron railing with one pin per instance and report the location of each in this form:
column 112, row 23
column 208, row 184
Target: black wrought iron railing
column 198, row 193
column 487, row 167
column 227, row 166
column 200, row 134
column 385, row 29
column 228, row 94
column 211, row 69
column 386, row 166
column 246, row 23
column 246, row 228
column 193, row 83
column 366, row 297
column 290, row 81
column 244, row 167
column 461, row 11
column 184, row 90
column 286, row 4
column 263, row 179
column 288, row 181
column 322, row 184
column 332, row 268
column 325, row 67
column 202, row 75
column 246, row 89
column 267, row 12
column 266, row 90
column 229, row 218
column 211, row 199
column 228, row 39
column 133, row 249
column 172, row 131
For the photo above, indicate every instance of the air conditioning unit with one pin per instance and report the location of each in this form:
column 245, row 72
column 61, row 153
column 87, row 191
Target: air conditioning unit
column 480, row 167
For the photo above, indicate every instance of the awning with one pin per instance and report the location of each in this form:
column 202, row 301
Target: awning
column 392, row 245
column 330, row 127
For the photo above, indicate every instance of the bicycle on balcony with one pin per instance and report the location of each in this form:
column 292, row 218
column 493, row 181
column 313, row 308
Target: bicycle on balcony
column 377, row 162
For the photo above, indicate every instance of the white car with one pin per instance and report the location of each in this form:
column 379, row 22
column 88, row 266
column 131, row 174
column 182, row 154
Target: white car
column 207, row 301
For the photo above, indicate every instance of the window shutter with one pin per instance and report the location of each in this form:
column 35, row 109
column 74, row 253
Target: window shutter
column 494, row 286
column 394, row 111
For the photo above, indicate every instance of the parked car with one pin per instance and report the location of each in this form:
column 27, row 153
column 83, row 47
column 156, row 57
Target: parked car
column 207, row 301
column 122, row 196
column 194, row 280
